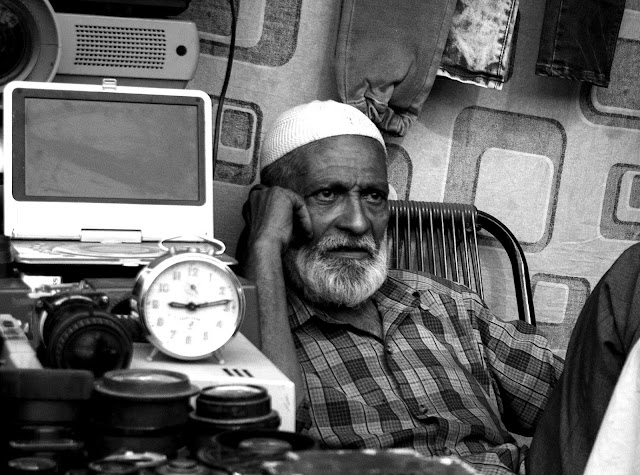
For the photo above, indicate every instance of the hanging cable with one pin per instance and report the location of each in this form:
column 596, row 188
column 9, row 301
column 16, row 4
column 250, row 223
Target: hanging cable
column 225, row 85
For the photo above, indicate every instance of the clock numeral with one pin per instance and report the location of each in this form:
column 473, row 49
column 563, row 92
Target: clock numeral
column 160, row 322
column 219, row 324
column 205, row 336
column 193, row 271
column 177, row 275
column 173, row 333
column 155, row 304
column 221, row 290
column 188, row 340
column 163, row 288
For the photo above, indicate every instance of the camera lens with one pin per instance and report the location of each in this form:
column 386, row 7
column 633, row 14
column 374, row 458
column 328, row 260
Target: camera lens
column 244, row 451
column 144, row 410
column 77, row 334
column 230, row 407
column 15, row 42
column 32, row 466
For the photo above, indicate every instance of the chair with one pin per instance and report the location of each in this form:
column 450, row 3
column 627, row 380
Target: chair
column 442, row 239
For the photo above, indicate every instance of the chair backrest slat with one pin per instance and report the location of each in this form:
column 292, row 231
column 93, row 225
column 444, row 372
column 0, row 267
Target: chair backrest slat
column 442, row 239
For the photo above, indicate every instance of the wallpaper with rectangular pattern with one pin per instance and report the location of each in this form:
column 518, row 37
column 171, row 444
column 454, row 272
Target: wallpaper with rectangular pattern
column 556, row 160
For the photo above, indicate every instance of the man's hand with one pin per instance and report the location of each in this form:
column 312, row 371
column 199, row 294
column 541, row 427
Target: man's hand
column 276, row 217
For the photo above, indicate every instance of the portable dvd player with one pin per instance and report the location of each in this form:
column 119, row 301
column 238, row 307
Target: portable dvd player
column 105, row 174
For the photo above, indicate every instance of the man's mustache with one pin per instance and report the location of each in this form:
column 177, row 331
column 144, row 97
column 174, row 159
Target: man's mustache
column 350, row 243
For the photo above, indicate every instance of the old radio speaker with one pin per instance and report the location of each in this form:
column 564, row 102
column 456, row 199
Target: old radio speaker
column 136, row 51
column 38, row 44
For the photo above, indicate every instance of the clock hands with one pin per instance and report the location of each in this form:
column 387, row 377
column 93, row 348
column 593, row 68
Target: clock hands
column 213, row 304
column 195, row 306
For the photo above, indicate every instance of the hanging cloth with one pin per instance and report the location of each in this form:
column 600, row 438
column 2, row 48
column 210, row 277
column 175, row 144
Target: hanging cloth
column 579, row 38
column 387, row 57
column 482, row 43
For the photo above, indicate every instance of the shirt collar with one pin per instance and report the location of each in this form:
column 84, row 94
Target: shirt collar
column 395, row 295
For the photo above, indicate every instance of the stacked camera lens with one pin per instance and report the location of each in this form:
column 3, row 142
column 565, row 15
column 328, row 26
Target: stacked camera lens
column 44, row 411
column 230, row 407
column 141, row 411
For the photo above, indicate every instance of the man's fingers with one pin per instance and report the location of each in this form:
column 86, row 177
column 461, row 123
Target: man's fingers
column 279, row 212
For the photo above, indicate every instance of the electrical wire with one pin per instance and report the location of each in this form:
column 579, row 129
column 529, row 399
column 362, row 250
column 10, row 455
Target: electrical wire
column 225, row 85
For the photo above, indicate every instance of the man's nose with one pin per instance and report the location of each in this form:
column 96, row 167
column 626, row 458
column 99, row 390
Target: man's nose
column 354, row 217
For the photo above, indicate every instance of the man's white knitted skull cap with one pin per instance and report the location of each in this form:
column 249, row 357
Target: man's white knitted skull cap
column 316, row 120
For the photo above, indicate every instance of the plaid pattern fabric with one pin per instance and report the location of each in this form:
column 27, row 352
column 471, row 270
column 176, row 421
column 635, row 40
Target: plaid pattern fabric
column 448, row 378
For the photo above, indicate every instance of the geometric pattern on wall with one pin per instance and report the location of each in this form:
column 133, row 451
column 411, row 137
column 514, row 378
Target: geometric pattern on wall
column 266, row 32
column 399, row 170
column 558, row 301
column 238, row 147
column 619, row 104
column 620, row 218
column 509, row 165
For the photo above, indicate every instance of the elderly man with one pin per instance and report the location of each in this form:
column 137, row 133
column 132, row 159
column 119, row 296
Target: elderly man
column 384, row 358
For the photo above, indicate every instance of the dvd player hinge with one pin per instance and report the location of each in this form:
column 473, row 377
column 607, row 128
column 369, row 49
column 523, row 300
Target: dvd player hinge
column 109, row 83
column 110, row 235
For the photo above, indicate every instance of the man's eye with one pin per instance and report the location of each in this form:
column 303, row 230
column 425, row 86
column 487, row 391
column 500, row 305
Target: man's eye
column 326, row 195
column 375, row 197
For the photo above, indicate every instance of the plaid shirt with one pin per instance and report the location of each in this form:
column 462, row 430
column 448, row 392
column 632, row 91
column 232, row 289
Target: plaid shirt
column 448, row 378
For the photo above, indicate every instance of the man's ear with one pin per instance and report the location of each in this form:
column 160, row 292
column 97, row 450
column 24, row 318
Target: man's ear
column 393, row 194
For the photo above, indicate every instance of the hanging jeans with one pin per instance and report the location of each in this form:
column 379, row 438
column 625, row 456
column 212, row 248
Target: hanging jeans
column 606, row 331
column 482, row 42
column 579, row 38
column 387, row 55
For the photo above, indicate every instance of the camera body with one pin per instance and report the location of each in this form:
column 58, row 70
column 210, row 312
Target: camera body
column 74, row 322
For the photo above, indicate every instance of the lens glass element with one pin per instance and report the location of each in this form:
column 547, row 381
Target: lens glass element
column 15, row 41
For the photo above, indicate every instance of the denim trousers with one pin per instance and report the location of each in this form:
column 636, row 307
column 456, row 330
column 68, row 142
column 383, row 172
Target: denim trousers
column 481, row 45
column 578, row 39
column 604, row 334
column 387, row 56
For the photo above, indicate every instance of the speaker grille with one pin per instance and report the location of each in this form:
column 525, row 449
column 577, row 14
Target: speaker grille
column 120, row 47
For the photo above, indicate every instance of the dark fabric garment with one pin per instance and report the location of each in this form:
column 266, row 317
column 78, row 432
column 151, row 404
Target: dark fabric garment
column 604, row 334
column 387, row 57
column 578, row 39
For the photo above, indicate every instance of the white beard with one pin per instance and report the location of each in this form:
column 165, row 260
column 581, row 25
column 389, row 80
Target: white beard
column 326, row 279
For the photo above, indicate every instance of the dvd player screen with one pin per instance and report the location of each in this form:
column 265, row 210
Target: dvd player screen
column 116, row 151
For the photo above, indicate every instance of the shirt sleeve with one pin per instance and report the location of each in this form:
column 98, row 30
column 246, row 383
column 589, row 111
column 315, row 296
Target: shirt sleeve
column 523, row 367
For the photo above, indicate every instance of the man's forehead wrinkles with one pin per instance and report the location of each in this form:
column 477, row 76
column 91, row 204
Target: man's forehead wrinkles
column 345, row 174
column 348, row 183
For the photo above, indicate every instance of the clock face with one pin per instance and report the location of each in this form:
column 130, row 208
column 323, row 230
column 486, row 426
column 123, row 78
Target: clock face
column 192, row 305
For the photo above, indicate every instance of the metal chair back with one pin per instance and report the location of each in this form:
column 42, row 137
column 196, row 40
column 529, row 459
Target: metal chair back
column 442, row 239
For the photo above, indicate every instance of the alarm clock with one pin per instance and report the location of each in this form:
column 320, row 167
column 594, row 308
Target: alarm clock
column 189, row 302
